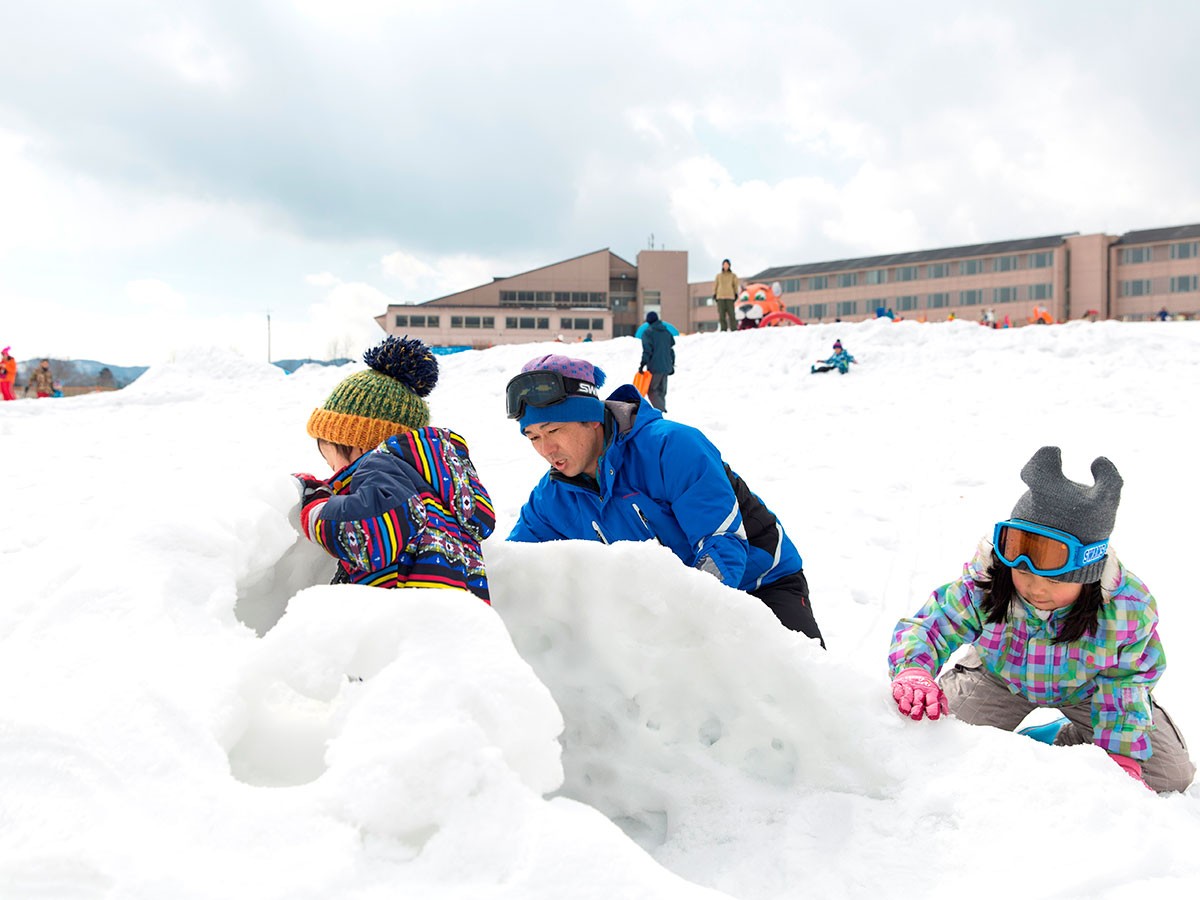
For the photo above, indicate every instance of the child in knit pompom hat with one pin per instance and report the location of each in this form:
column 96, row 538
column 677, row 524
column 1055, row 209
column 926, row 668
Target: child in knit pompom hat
column 405, row 506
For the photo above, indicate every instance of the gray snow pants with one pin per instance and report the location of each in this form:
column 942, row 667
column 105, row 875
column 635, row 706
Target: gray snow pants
column 657, row 392
column 978, row 697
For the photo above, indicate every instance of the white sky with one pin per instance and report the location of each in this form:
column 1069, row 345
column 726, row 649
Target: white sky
column 173, row 174
column 154, row 746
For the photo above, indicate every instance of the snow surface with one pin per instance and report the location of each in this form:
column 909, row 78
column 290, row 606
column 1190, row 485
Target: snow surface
column 617, row 725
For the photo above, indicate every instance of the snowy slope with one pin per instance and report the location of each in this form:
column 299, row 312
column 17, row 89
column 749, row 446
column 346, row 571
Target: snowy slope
column 616, row 725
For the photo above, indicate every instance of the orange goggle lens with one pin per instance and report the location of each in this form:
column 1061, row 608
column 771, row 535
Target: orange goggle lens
column 1042, row 551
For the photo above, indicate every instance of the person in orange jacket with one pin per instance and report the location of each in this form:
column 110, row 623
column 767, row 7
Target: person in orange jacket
column 8, row 374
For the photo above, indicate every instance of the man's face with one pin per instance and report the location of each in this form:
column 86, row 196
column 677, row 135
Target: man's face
column 571, row 448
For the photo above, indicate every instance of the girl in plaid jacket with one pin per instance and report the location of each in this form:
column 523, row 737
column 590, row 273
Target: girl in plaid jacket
column 1048, row 617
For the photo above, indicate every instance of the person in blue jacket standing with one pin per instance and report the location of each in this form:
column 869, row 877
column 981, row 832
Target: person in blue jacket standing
column 619, row 471
column 658, row 355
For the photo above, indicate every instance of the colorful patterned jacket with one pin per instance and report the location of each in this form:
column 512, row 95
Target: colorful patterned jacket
column 410, row 513
column 1115, row 667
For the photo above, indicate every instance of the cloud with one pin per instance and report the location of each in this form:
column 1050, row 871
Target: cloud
column 343, row 323
column 235, row 152
column 418, row 280
column 156, row 296
column 45, row 208
column 184, row 50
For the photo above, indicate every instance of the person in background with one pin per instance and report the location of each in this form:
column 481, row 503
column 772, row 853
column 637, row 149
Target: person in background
column 41, row 380
column 725, row 291
column 658, row 355
column 619, row 471
column 8, row 374
column 840, row 360
column 404, row 507
column 1051, row 618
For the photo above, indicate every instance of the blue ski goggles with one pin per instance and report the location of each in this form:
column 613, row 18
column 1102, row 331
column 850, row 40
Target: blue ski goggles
column 543, row 388
column 1044, row 551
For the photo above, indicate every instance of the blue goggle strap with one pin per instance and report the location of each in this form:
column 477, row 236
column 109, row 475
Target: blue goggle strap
column 1079, row 554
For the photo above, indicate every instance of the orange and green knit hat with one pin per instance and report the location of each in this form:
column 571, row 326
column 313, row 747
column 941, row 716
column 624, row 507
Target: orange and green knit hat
column 384, row 399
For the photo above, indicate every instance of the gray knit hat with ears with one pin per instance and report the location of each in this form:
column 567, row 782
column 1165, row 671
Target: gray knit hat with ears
column 1053, row 500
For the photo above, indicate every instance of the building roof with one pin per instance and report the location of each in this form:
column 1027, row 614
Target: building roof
column 449, row 297
column 898, row 259
column 1158, row 235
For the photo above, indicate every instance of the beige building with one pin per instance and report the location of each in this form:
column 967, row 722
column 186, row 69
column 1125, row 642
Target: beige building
column 1132, row 277
column 1070, row 276
column 598, row 294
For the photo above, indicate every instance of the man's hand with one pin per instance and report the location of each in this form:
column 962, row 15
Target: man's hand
column 709, row 565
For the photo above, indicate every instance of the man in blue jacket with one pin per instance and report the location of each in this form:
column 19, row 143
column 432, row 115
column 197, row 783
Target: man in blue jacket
column 619, row 471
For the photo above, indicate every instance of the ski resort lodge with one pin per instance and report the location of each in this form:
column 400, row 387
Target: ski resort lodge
column 1131, row 277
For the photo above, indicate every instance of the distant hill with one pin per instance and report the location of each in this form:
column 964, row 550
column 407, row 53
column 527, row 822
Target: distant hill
column 291, row 365
column 91, row 373
column 83, row 372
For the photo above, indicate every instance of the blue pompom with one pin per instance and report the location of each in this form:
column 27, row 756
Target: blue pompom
column 408, row 361
column 600, row 376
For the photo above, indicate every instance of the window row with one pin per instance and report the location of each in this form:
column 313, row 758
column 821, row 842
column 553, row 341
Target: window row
column 1181, row 250
column 581, row 324
column 1144, row 287
column 513, row 323
column 418, row 322
column 939, row 300
column 554, row 298
column 898, row 274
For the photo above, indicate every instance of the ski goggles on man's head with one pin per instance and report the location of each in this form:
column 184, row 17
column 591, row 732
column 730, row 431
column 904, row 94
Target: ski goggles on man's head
column 1044, row 551
column 543, row 388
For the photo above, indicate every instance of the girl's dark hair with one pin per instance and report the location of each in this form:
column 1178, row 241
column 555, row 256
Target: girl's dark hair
column 998, row 593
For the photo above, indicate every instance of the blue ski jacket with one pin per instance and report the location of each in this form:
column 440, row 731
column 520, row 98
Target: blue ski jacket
column 663, row 480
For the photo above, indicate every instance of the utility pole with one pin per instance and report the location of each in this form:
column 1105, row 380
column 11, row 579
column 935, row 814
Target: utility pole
column 268, row 337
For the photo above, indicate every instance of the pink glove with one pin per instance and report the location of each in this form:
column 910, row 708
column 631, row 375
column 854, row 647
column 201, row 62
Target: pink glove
column 918, row 695
column 1132, row 767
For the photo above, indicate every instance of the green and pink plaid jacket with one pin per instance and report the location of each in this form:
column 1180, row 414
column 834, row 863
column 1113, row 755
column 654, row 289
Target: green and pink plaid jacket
column 1115, row 667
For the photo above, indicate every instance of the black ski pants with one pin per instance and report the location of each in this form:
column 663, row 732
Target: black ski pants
column 788, row 599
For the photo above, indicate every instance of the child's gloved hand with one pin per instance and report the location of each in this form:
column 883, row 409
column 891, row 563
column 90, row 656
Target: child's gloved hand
column 313, row 493
column 918, row 695
column 311, row 488
column 1132, row 767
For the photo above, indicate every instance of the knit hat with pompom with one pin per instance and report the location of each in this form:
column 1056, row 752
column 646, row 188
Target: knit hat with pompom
column 385, row 399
